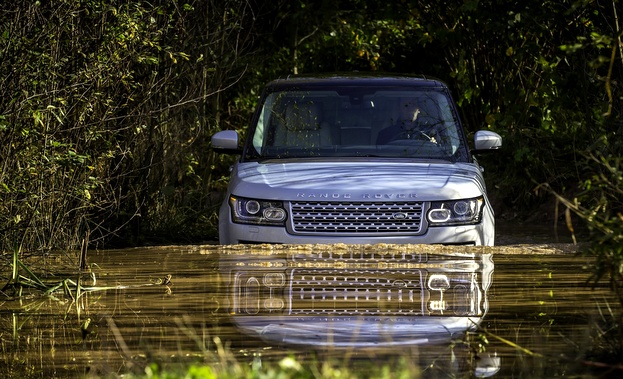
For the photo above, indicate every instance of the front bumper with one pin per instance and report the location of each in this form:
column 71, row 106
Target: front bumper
column 231, row 233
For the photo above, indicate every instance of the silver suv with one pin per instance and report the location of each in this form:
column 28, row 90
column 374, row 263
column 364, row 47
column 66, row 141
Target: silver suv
column 356, row 159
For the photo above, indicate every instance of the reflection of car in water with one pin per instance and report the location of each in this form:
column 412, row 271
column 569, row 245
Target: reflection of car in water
column 357, row 300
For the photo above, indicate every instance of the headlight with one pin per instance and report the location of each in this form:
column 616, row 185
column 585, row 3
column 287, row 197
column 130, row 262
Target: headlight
column 252, row 211
column 456, row 212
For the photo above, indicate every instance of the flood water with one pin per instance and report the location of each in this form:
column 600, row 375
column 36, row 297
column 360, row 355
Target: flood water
column 521, row 311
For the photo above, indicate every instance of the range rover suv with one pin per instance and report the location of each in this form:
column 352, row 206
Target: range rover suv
column 356, row 159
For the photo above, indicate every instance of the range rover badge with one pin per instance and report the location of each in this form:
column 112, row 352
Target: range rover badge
column 400, row 216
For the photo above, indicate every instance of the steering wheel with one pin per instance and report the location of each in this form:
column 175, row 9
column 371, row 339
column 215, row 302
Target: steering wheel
column 412, row 135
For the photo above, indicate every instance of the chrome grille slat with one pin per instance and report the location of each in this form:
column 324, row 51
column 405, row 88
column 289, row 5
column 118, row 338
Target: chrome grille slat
column 356, row 217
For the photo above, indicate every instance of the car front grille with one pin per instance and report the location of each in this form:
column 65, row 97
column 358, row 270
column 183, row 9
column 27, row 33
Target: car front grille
column 361, row 218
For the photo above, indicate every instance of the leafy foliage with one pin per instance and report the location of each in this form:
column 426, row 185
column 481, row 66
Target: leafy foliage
column 105, row 113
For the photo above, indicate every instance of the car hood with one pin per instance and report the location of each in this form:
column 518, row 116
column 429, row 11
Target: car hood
column 369, row 180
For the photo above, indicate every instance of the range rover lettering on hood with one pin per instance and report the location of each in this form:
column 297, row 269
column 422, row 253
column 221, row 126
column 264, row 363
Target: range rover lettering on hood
column 378, row 196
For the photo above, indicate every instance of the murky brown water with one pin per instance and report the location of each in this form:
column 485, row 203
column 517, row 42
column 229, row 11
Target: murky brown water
column 509, row 311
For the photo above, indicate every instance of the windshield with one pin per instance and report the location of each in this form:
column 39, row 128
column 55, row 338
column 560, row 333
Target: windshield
column 366, row 122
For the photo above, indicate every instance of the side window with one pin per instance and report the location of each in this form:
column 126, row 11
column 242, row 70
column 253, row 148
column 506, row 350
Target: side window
column 258, row 137
column 266, row 124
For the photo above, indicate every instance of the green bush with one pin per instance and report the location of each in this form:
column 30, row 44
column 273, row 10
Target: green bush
column 105, row 116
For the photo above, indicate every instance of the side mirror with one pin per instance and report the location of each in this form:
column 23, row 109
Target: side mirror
column 486, row 141
column 226, row 141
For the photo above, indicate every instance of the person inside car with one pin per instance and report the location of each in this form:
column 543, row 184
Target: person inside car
column 411, row 123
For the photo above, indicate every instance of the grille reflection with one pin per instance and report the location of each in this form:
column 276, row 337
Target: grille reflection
column 357, row 299
column 340, row 292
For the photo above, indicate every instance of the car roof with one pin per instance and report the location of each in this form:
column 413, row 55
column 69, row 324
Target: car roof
column 355, row 80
